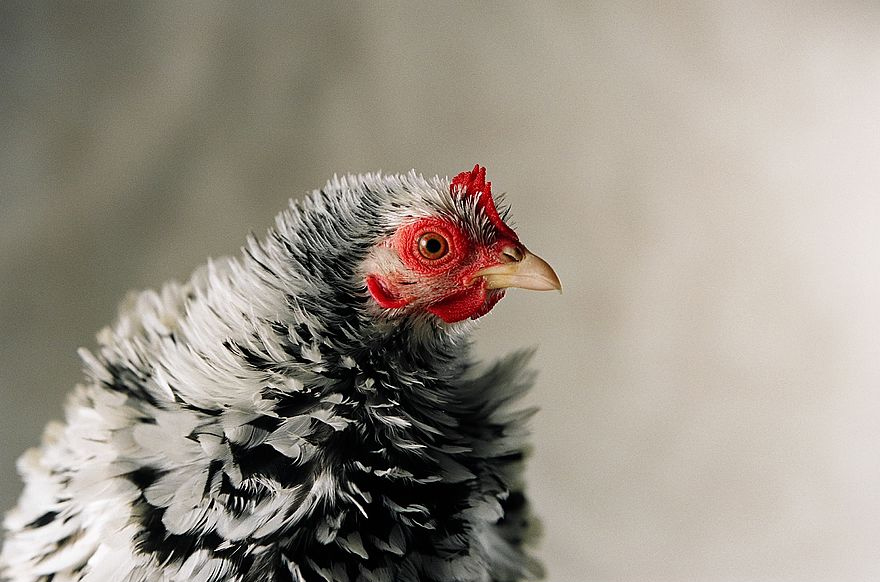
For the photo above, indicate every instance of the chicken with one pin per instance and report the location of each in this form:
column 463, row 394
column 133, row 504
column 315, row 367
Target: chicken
column 306, row 412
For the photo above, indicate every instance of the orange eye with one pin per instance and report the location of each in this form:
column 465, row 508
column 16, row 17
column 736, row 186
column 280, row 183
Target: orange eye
column 433, row 246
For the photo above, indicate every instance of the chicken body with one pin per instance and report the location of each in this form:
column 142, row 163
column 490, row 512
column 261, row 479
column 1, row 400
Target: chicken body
column 308, row 411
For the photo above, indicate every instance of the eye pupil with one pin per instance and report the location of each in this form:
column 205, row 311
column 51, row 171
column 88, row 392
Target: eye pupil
column 433, row 246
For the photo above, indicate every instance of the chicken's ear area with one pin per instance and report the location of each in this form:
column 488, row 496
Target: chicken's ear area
column 382, row 296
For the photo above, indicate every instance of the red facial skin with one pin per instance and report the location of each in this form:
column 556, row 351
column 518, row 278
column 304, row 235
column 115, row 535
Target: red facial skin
column 446, row 286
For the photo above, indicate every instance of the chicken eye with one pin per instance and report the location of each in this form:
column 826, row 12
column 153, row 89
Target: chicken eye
column 433, row 246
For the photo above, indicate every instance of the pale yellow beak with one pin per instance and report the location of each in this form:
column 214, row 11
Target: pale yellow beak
column 523, row 270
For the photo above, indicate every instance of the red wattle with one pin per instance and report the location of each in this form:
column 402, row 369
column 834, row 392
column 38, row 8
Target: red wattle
column 461, row 305
column 488, row 304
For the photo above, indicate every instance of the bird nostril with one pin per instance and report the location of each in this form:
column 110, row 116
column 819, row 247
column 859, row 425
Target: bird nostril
column 512, row 254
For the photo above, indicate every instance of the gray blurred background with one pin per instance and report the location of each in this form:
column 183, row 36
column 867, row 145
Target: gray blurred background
column 704, row 177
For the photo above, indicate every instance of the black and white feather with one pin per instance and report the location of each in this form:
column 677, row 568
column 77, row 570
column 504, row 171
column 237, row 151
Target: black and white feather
column 265, row 421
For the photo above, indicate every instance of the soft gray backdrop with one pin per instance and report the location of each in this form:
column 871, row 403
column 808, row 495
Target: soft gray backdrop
column 704, row 177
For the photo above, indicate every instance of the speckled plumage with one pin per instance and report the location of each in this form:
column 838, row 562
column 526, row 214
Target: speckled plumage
column 267, row 421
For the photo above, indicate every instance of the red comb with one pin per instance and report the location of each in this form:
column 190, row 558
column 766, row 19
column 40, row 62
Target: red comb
column 474, row 183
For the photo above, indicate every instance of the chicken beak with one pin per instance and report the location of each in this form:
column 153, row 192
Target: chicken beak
column 521, row 269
